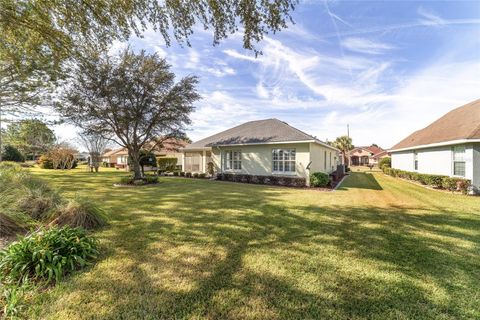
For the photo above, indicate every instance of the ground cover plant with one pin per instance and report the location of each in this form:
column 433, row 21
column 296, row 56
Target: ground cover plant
column 377, row 248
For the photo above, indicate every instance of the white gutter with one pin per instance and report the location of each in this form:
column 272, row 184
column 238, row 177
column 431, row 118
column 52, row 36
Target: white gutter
column 439, row 144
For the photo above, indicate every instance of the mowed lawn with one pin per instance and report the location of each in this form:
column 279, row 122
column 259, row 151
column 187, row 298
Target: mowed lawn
column 378, row 248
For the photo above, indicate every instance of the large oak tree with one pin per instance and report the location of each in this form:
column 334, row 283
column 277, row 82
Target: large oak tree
column 132, row 97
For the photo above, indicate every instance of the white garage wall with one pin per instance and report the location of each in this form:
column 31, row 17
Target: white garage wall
column 435, row 160
column 476, row 166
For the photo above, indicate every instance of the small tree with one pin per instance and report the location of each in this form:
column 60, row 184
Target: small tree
column 132, row 97
column 32, row 137
column 96, row 145
column 62, row 156
column 344, row 144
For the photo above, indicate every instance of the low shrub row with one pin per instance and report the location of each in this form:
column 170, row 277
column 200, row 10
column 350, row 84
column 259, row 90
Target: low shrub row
column 268, row 180
column 319, row 179
column 435, row 181
column 190, row 174
column 130, row 180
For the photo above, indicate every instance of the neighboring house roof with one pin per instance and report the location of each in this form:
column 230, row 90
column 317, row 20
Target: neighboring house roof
column 256, row 132
column 372, row 149
column 167, row 146
column 462, row 123
column 381, row 154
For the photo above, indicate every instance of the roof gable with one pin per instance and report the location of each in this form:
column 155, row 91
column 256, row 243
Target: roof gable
column 460, row 123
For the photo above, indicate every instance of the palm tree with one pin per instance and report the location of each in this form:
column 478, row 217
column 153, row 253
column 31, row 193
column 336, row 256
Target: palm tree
column 344, row 144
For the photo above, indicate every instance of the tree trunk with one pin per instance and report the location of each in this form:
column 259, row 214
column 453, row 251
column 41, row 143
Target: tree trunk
column 135, row 159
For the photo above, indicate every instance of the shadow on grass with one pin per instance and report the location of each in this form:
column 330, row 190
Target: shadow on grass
column 197, row 249
column 361, row 180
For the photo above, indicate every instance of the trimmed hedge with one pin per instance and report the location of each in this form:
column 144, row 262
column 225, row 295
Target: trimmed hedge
column 385, row 163
column 435, row 181
column 319, row 179
column 268, row 180
column 167, row 164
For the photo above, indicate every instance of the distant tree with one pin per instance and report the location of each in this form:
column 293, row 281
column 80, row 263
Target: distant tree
column 10, row 153
column 32, row 137
column 344, row 144
column 96, row 145
column 132, row 97
column 375, row 145
column 61, row 156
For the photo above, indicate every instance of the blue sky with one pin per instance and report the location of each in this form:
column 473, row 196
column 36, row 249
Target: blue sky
column 386, row 68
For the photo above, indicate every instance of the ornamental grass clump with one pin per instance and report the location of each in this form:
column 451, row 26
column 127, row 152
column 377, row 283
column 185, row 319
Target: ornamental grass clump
column 80, row 212
column 47, row 255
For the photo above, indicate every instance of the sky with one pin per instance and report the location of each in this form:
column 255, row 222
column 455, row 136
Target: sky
column 385, row 68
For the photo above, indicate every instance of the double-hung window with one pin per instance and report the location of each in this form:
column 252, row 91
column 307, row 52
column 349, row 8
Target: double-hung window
column 459, row 161
column 283, row 160
column 233, row 160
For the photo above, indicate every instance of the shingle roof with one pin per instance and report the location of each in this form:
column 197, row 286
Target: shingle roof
column 460, row 123
column 168, row 145
column 255, row 132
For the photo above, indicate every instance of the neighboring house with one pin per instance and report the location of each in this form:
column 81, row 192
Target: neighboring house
column 264, row 147
column 118, row 158
column 362, row 156
column 449, row 146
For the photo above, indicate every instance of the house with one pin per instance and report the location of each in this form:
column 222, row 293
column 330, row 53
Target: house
column 449, row 146
column 118, row 158
column 362, row 156
column 262, row 148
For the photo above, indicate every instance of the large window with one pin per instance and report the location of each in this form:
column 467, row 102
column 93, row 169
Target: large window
column 283, row 160
column 459, row 161
column 233, row 160
column 192, row 162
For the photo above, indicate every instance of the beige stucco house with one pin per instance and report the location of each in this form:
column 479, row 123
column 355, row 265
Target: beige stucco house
column 363, row 156
column 265, row 148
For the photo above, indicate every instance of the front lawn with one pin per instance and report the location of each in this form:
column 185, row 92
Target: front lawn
column 378, row 248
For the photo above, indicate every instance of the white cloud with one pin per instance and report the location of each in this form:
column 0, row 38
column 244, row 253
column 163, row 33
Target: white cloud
column 363, row 45
column 428, row 17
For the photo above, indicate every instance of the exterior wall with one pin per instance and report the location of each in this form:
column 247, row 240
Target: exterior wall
column 439, row 160
column 317, row 158
column 257, row 159
column 476, row 167
column 361, row 153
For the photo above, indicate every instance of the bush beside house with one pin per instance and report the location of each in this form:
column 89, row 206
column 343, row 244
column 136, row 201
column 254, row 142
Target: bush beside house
column 319, row 179
column 435, row 181
column 268, row 180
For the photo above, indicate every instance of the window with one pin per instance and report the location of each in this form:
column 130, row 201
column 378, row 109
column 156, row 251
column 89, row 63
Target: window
column 192, row 161
column 233, row 160
column 459, row 161
column 415, row 159
column 283, row 160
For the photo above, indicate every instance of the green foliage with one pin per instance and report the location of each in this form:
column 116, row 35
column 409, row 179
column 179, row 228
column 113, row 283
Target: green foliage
column 47, row 254
column 182, row 174
column 210, row 168
column 31, row 137
column 188, row 174
column 45, row 162
column 435, row 181
column 9, row 165
column 319, row 179
column 176, row 173
column 125, row 180
column 385, row 163
column 80, row 212
column 10, row 153
column 167, row 164
column 151, row 179
column 139, row 182
column 195, row 175
column 202, row 175
column 147, row 158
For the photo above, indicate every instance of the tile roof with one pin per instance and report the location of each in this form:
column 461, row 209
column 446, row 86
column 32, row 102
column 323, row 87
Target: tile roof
column 255, row 132
column 460, row 123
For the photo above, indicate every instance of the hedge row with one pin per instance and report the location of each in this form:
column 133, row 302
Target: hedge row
column 435, row 181
column 269, row 180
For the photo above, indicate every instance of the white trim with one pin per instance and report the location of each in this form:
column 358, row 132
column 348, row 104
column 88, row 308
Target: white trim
column 439, row 144
column 285, row 173
column 261, row 143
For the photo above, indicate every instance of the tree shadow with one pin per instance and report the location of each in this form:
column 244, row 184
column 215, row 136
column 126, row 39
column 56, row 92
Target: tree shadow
column 226, row 251
column 361, row 180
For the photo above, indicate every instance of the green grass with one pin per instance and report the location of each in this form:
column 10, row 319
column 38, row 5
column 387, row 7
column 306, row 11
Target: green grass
column 378, row 248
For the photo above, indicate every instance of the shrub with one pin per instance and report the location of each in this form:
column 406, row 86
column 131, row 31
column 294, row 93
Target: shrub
column 126, row 180
column 45, row 162
column 167, row 164
column 246, row 178
column 182, row 174
column 449, row 183
column 385, row 163
column 47, row 255
column 435, row 181
column 195, row 175
column 39, row 202
column 188, row 174
column 210, row 168
column 80, row 212
column 10, row 153
column 319, row 179
column 176, row 173
column 202, row 175
column 139, row 182
column 9, row 165
column 150, row 179
column 463, row 185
